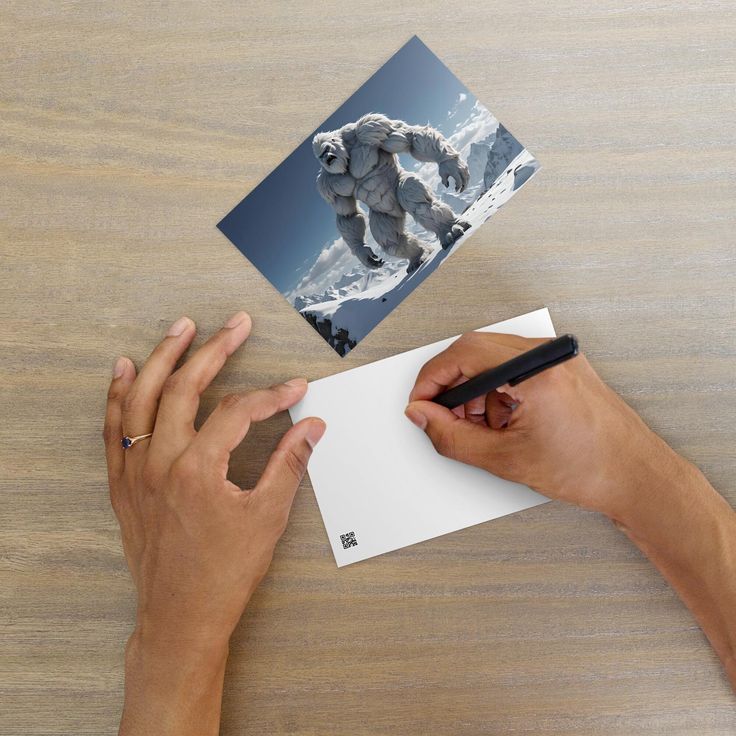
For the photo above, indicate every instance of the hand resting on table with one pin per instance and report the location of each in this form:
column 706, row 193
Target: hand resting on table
column 196, row 545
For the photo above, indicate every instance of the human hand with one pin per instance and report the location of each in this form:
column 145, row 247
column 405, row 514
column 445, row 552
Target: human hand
column 567, row 435
column 196, row 544
column 562, row 432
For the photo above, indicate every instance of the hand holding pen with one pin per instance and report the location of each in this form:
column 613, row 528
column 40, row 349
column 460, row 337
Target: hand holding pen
column 566, row 434
column 560, row 431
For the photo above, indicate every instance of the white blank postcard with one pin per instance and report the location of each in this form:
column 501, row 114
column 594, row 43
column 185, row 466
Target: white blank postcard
column 379, row 483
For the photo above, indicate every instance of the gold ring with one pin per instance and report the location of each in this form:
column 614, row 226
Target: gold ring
column 130, row 441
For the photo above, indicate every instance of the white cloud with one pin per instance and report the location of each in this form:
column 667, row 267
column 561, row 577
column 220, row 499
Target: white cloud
column 459, row 101
column 476, row 127
column 334, row 260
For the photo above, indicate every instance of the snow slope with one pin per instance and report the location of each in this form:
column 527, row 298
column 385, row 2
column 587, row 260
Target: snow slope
column 347, row 311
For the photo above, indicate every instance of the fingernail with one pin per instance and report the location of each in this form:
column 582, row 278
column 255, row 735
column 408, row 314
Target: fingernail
column 119, row 368
column 296, row 382
column 315, row 432
column 416, row 417
column 236, row 319
column 178, row 327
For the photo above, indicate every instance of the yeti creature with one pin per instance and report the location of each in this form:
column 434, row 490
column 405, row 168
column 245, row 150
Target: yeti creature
column 359, row 163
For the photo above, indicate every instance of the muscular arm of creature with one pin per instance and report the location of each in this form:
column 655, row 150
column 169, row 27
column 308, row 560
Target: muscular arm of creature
column 428, row 144
column 351, row 224
column 422, row 142
column 350, row 220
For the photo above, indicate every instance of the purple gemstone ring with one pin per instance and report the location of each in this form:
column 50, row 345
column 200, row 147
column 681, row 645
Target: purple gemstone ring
column 127, row 442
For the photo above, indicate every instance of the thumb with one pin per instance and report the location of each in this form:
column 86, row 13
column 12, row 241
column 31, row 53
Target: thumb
column 453, row 436
column 285, row 469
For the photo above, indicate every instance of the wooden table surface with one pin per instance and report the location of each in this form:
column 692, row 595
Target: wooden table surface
column 128, row 129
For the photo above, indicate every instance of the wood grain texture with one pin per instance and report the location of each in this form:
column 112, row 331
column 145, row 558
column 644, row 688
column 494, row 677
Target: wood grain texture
column 128, row 129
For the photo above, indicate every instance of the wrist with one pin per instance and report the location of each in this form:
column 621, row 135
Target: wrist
column 645, row 477
column 189, row 625
column 663, row 490
column 170, row 645
column 168, row 679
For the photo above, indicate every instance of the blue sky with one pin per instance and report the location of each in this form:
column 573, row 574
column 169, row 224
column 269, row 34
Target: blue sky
column 283, row 224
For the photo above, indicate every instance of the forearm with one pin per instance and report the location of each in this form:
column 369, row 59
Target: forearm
column 172, row 687
column 688, row 531
column 428, row 144
column 352, row 229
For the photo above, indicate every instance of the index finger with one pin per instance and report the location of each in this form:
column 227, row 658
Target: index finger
column 228, row 424
column 179, row 403
column 469, row 355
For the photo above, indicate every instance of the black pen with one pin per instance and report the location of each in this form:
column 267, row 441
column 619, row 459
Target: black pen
column 514, row 371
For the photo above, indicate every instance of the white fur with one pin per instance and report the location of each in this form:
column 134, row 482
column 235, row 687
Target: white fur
column 358, row 161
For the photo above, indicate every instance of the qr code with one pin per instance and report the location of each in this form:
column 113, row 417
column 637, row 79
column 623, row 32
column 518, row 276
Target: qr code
column 348, row 540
